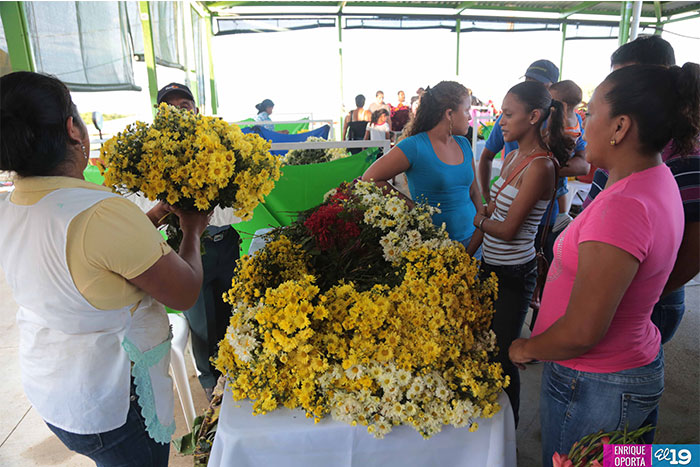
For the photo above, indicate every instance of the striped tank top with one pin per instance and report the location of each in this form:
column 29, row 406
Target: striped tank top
column 521, row 248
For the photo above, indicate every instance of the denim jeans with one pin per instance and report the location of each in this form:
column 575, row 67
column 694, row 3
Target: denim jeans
column 209, row 317
column 126, row 446
column 668, row 313
column 574, row 403
column 515, row 286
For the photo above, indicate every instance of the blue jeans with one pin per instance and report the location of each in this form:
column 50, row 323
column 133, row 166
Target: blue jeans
column 574, row 404
column 126, row 446
column 668, row 313
column 515, row 286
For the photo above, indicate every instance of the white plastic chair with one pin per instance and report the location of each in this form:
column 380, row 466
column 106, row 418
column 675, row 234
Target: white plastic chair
column 181, row 333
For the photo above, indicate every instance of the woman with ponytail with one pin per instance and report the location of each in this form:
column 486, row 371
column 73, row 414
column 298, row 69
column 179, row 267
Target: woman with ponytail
column 519, row 198
column 438, row 162
column 605, row 368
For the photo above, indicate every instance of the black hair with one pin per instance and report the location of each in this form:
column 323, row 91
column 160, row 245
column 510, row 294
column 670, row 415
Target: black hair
column 644, row 50
column 262, row 107
column 536, row 96
column 433, row 103
column 359, row 101
column 664, row 102
column 34, row 109
column 569, row 92
column 378, row 113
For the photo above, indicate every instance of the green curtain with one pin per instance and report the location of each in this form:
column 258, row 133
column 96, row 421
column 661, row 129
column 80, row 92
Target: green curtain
column 302, row 187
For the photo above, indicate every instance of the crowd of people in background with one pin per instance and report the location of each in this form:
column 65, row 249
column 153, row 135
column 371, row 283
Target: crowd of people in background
column 613, row 294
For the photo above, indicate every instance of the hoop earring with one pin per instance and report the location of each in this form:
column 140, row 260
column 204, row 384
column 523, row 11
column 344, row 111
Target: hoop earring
column 82, row 148
column 613, row 142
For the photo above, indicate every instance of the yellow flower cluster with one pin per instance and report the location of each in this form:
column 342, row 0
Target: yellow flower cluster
column 191, row 161
column 419, row 352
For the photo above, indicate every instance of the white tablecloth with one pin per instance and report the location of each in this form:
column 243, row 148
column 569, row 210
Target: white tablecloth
column 288, row 438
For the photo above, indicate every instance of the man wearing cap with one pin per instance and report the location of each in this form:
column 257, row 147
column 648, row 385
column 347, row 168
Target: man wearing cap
column 209, row 317
column 546, row 73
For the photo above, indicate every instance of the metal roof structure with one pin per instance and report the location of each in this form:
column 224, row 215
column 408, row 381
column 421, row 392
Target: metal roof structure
column 656, row 13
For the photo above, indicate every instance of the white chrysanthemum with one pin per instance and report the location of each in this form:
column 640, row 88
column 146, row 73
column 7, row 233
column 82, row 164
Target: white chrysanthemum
column 355, row 372
column 403, row 377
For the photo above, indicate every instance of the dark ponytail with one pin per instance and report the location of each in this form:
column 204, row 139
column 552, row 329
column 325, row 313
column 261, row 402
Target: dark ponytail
column 433, row 103
column 33, row 113
column 663, row 102
column 534, row 95
column 559, row 143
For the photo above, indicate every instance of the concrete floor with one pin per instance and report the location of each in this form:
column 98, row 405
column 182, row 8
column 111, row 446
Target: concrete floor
column 26, row 441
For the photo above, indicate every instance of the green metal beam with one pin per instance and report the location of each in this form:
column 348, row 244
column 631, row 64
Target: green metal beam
column 458, row 28
column 675, row 20
column 561, row 58
column 149, row 53
column 212, row 82
column 577, row 8
column 14, row 23
column 340, row 57
column 659, row 24
column 625, row 15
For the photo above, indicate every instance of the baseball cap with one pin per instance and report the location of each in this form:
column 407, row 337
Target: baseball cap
column 174, row 87
column 543, row 71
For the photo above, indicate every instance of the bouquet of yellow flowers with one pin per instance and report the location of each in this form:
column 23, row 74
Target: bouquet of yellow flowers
column 363, row 310
column 191, row 161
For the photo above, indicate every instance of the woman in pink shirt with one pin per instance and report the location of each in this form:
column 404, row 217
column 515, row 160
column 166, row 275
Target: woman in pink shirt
column 605, row 363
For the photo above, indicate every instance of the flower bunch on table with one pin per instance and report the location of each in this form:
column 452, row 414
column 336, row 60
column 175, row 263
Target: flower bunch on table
column 363, row 310
column 313, row 156
column 191, row 161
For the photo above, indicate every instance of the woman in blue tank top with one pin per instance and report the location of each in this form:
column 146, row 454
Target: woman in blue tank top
column 438, row 163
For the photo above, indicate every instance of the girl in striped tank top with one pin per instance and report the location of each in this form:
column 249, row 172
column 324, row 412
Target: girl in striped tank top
column 519, row 198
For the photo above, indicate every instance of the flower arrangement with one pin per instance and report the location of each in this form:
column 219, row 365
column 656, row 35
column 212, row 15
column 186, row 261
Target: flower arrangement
column 191, row 161
column 363, row 310
column 313, row 156
column 588, row 452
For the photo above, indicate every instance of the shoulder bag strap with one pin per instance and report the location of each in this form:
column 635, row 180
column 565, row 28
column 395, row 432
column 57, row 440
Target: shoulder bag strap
column 550, row 206
column 515, row 173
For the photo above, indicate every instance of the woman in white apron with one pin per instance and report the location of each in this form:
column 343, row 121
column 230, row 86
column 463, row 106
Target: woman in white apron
column 90, row 273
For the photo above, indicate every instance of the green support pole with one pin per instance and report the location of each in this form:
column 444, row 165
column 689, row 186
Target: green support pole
column 340, row 56
column 561, row 58
column 14, row 23
column 459, row 31
column 659, row 24
column 149, row 53
column 625, row 22
column 212, row 81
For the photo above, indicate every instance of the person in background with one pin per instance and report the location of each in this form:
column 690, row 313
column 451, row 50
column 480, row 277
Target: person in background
column 400, row 113
column 264, row 111
column 380, row 104
column 519, row 197
column 605, row 362
column 209, row 317
column 90, row 274
column 378, row 128
column 668, row 312
column 357, row 120
column 438, row 162
column 545, row 72
column 568, row 93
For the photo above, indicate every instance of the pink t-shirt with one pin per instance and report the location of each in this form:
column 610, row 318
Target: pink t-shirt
column 643, row 215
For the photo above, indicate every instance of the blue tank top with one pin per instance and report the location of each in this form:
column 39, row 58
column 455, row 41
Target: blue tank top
column 435, row 182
